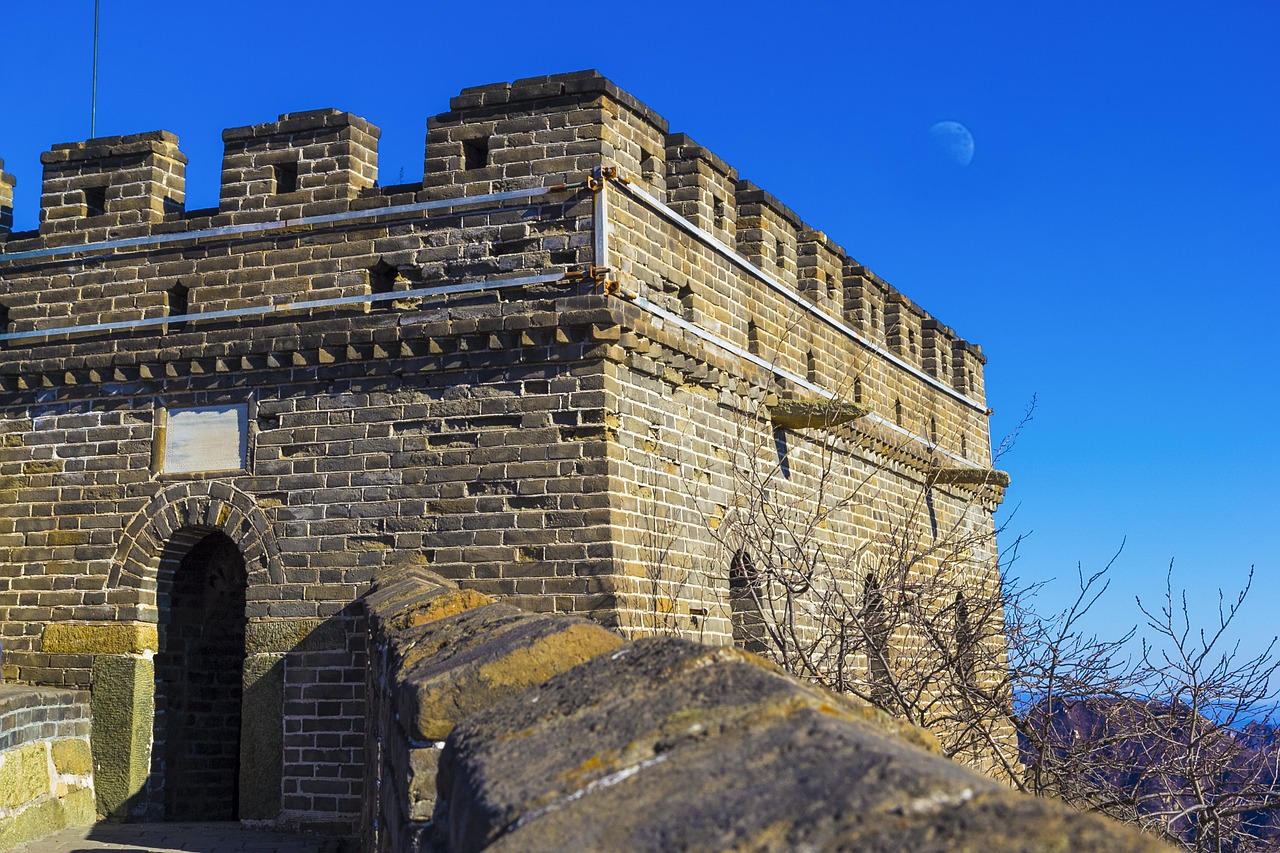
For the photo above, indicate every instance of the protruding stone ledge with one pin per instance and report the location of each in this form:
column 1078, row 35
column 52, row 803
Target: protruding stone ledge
column 814, row 414
column 968, row 477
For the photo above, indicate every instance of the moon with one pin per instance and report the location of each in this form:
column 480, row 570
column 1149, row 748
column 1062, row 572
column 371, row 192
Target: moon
column 954, row 141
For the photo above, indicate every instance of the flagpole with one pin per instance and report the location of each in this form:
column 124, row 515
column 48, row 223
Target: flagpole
column 93, row 105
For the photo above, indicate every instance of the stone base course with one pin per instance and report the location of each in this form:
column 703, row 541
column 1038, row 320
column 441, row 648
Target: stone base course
column 46, row 768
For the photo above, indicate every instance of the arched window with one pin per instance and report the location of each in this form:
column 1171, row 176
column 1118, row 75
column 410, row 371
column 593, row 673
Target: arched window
column 749, row 629
column 966, row 642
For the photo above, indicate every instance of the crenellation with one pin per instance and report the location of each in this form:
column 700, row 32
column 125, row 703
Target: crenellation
column 903, row 327
column 967, row 365
column 820, row 268
column 112, row 182
column 702, row 188
column 300, row 161
column 767, row 232
column 538, row 131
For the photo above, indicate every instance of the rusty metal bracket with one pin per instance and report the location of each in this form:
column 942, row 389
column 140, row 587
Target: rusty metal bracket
column 598, row 276
column 601, row 175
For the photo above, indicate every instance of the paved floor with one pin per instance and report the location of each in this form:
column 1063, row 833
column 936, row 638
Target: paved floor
column 167, row 837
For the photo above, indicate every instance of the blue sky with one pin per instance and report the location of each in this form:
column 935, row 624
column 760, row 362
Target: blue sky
column 1110, row 245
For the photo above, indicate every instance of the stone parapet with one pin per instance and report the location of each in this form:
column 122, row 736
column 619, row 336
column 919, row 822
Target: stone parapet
column 575, row 741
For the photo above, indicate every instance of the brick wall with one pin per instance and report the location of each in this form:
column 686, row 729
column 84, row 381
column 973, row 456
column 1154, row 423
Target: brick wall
column 425, row 377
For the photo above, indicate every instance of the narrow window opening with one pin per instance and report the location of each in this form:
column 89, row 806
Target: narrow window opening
column 857, row 390
column 875, row 635
column 685, row 295
column 382, row 278
column 753, row 338
column 875, row 317
column 811, row 367
column 717, row 212
column 933, row 430
column 897, row 412
column 179, row 301
column 95, row 201
column 966, row 642
column 6, row 324
column 648, row 165
column 964, row 446
column 475, row 153
column 286, row 177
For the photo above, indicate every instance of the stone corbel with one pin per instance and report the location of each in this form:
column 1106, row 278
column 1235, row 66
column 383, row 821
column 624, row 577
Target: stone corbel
column 968, row 477
column 814, row 414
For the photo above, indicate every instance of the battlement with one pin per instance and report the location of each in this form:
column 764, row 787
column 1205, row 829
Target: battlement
column 112, row 181
column 496, row 138
column 298, row 162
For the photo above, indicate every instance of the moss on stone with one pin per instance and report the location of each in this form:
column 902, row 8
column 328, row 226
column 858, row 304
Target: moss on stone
column 123, row 706
column 72, row 756
column 29, row 824
column 24, row 774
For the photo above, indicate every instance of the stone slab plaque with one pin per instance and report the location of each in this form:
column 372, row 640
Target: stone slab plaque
column 207, row 438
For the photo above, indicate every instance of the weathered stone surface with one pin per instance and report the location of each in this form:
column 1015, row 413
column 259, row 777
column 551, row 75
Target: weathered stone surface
column 609, row 717
column 261, row 738
column 814, row 414
column 423, row 606
column 666, row 745
column 464, row 663
column 72, row 756
column 284, row 635
column 809, row 782
column 123, row 703
column 24, row 774
column 47, row 817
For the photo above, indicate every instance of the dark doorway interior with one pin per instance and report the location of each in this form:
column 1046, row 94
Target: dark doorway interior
column 198, row 683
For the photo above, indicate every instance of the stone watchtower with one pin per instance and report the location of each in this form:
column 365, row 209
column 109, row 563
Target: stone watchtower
column 535, row 373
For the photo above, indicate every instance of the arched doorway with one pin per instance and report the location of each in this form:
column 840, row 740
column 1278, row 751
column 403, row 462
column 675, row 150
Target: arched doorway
column 199, row 669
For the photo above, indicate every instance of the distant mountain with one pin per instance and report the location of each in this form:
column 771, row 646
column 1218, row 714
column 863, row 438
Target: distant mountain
column 1161, row 765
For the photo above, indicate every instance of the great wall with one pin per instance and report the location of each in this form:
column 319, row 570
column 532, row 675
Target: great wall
column 225, row 433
